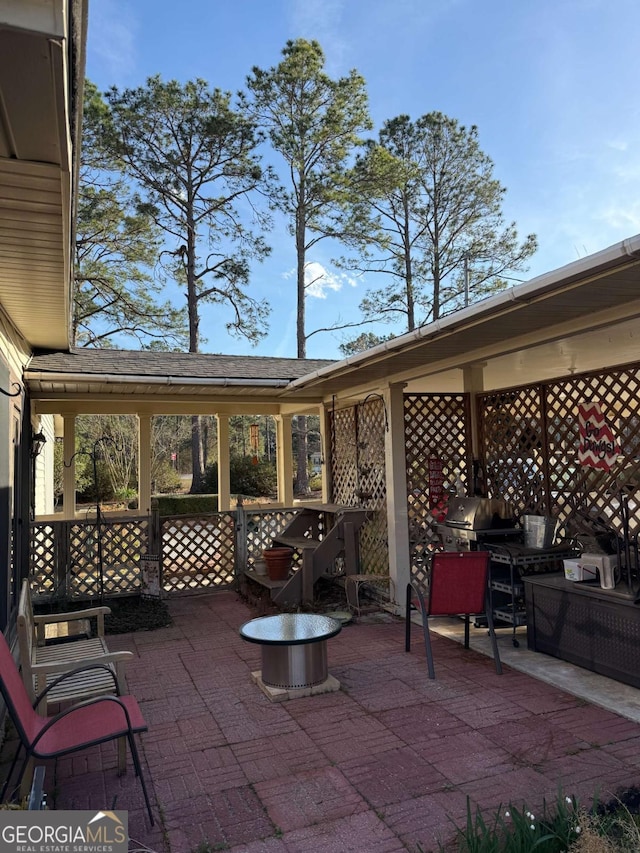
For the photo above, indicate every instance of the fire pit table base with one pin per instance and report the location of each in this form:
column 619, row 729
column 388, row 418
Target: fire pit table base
column 281, row 694
column 294, row 648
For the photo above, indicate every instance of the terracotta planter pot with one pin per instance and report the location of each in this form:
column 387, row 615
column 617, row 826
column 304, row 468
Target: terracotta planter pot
column 279, row 562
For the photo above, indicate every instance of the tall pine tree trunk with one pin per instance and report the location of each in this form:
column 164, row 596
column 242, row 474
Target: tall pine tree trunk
column 302, row 476
column 197, row 449
column 197, row 455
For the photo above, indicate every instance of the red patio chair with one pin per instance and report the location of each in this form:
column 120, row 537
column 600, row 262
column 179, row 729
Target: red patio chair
column 83, row 725
column 457, row 586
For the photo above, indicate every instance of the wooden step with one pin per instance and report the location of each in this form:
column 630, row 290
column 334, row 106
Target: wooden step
column 274, row 587
column 300, row 543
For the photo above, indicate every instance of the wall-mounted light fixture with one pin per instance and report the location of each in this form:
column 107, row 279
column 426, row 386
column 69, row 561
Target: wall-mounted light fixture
column 38, row 440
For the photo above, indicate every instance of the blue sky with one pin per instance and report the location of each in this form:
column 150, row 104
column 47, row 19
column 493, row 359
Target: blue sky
column 552, row 86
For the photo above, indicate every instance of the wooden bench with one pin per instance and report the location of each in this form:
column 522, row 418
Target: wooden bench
column 42, row 664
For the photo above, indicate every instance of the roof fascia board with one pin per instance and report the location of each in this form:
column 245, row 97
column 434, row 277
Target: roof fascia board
column 142, row 379
column 630, row 311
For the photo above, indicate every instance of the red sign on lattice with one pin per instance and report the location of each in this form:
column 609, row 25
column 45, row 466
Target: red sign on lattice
column 598, row 445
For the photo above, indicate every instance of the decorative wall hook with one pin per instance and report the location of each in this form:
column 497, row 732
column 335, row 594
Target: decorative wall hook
column 15, row 393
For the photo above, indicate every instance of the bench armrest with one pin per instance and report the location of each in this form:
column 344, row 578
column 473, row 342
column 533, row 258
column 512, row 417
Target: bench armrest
column 43, row 619
column 71, row 615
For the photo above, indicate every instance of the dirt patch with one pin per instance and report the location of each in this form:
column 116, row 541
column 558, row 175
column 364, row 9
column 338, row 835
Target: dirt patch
column 136, row 614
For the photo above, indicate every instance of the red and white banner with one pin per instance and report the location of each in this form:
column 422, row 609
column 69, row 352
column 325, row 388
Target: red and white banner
column 598, row 445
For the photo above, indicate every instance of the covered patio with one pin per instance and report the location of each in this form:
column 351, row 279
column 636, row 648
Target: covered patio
column 382, row 765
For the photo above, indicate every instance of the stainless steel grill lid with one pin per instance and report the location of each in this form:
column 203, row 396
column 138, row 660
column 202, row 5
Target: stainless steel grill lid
column 474, row 513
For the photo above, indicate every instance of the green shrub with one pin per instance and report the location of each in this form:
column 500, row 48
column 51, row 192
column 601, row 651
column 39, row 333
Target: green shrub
column 166, row 479
column 315, row 483
column 186, row 504
column 91, row 492
column 254, row 479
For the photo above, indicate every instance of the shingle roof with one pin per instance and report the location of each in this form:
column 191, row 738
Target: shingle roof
column 176, row 364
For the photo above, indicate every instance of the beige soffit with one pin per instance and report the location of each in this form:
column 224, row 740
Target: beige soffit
column 37, row 89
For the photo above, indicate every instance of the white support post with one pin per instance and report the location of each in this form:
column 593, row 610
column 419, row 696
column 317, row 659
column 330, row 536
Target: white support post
column 69, row 470
column 325, row 449
column 397, row 512
column 144, row 464
column 224, row 477
column 473, row 379
column 284, row 456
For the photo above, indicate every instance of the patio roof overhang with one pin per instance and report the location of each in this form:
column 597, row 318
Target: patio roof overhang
column 580, row 317
column 117, row 382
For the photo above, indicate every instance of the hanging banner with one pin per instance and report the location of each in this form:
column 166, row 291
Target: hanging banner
column 598, row 445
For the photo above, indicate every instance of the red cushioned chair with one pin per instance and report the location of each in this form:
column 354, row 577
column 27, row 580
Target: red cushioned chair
column 458, row 586
column 84, row 724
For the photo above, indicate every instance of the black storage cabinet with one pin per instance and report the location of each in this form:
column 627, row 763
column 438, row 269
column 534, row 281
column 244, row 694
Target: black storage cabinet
column 591, row 627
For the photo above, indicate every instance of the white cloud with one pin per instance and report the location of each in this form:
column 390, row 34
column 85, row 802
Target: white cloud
column 318, row 280
column 623, row 219
column 618, row 144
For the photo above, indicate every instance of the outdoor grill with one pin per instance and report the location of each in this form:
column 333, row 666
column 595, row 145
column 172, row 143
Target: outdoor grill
column 473, row 520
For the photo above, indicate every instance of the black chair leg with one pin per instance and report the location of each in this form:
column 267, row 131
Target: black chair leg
column 492, row 635
column 10, row 773
column 426, row 635
column 466, row 630
column 407, row 620
column 138, row 769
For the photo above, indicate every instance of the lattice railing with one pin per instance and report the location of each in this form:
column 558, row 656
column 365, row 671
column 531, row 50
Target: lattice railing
column 43, row 565
column 438, row 450
column 84, row 559
column 198, row 552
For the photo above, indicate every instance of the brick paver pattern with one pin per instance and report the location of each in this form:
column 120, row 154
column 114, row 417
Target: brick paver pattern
column 380, row 766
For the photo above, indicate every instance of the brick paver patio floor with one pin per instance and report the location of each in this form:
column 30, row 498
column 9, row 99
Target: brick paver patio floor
column 382, row 765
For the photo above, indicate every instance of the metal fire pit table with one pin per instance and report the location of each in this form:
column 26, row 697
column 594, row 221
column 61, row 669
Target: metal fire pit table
column 294, row 647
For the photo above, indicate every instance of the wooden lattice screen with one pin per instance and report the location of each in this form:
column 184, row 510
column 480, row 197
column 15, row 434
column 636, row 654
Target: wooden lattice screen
column 438, row 450
column 358, row 475
column 530, row 437
column 512, row 442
